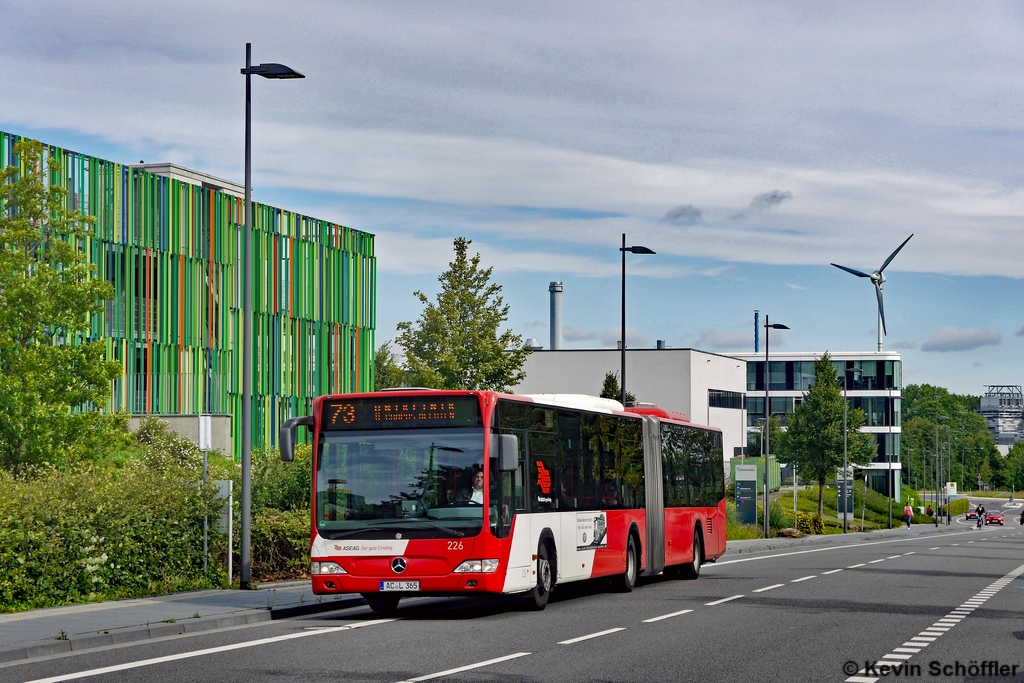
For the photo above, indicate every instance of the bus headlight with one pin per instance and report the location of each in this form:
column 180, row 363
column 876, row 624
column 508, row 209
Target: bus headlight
column 477, row 567
column 326, row 568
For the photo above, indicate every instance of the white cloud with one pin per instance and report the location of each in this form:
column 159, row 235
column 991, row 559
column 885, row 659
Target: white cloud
column 793, row 285
column 634, row 339
column 567, row 106
column 573, row 333
column 950, row 338
column 725, row 340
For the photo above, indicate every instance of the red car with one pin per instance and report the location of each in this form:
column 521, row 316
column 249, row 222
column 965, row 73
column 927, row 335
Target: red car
column 994, row 518
column 971, row 514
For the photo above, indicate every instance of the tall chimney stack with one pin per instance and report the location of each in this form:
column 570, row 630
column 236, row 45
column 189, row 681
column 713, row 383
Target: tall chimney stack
column 555, row 288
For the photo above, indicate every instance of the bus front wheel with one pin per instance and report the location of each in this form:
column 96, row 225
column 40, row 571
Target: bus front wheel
column 537, row 599
column 382, row 603
column 691, row 570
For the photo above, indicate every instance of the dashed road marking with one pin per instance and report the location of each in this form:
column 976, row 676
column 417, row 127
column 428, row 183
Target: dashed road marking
column 589, row 636
column 468, row 667
column 804, row 578
column 719, row 602
column 832, row 572
column 667, row 616
column 768, row 588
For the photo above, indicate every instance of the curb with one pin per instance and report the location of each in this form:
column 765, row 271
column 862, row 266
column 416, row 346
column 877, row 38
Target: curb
column 162, row 630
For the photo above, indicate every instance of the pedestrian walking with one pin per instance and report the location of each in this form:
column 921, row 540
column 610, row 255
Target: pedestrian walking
column 908, row 514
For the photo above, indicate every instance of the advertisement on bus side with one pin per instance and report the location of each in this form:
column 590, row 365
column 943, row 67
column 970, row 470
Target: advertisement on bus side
column 591, row 530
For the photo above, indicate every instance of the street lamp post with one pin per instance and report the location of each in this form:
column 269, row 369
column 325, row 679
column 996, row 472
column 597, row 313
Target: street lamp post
column 846, row 498
column 768, row 415
column 938, row 418
column 633, row 250
column 267, row 70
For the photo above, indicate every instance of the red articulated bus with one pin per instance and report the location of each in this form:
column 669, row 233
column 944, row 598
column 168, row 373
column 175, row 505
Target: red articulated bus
column 423, row 492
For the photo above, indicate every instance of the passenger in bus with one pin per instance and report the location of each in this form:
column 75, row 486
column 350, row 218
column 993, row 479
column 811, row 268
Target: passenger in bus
column 565, row 501
column 450, row 497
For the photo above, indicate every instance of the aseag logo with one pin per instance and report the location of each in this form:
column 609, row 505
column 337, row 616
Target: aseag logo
column 543, row 477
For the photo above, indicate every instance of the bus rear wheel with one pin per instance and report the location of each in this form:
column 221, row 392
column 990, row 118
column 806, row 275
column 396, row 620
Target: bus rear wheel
column 382, row 603
column 691, row 570
column 537, row 599
column 627, row 580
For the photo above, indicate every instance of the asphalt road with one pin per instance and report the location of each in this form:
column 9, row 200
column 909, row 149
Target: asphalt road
column 816, row 614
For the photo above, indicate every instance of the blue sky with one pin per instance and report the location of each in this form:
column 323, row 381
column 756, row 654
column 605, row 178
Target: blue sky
column 749, row 144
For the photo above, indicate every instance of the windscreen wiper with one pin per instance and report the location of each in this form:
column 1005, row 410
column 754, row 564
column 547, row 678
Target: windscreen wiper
column 414, row 523
column 335, row 535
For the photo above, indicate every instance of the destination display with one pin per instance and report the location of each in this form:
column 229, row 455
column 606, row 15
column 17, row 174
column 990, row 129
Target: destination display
column 401, row 412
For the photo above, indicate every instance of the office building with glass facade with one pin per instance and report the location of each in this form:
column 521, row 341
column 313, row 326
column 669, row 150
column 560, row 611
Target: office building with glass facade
column 170, row 241
column 872, row 381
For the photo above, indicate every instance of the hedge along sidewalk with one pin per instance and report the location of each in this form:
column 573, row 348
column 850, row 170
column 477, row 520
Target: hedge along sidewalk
column 57, row 630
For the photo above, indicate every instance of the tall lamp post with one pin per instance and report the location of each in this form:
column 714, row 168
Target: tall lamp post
column 633, row 250
column 268, row 70
column 767, row 413
column 938, row 418
column 846, row 496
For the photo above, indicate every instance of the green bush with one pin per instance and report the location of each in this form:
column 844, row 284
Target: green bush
column 281, row 485
column 92, row 532
column 810, row 524
column 280, row 544
column 959, row 506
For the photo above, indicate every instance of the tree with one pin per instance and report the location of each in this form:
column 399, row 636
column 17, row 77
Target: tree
column 612, row 390
column 456, row 342
column 387, row 372
column 52, row 380
column 814, row 440
column 965, row 430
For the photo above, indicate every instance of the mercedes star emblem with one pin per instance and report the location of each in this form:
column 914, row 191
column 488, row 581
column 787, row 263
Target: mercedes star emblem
column 398, row 565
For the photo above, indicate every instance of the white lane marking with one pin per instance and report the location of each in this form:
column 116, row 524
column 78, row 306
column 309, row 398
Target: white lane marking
column 893, row 557
column 831, row 572
column 709, row 567
column 200, row 653
column 958, row 543
column 592, row 635
column 768, row 588
column 854, row 566
column 911, row 650
column 804, row 578
column 468, row 667
column 912, row 552
column 667, row 616
column 876, row 561
column 719, row 602
column 967, row 542
column 932, row 548
column 937, row 629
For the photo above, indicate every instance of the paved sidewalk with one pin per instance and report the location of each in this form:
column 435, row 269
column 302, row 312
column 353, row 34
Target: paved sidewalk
column 55, row 630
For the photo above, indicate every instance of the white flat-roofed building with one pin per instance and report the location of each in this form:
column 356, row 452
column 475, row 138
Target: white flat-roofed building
column 873, row 380
column 707, row 387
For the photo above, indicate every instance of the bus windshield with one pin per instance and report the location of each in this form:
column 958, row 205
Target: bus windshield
column 420, row 483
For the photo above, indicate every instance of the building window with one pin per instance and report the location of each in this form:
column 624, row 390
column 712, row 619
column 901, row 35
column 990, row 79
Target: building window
column 719, row 398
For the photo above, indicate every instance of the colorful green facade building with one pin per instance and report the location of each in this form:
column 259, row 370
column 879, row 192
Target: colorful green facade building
column 172, row 249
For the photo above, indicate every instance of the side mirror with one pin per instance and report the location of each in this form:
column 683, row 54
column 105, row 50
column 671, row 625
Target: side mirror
column 505, row 447
column 286, row 438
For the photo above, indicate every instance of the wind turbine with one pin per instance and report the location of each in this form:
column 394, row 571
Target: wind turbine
column 877, row 279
